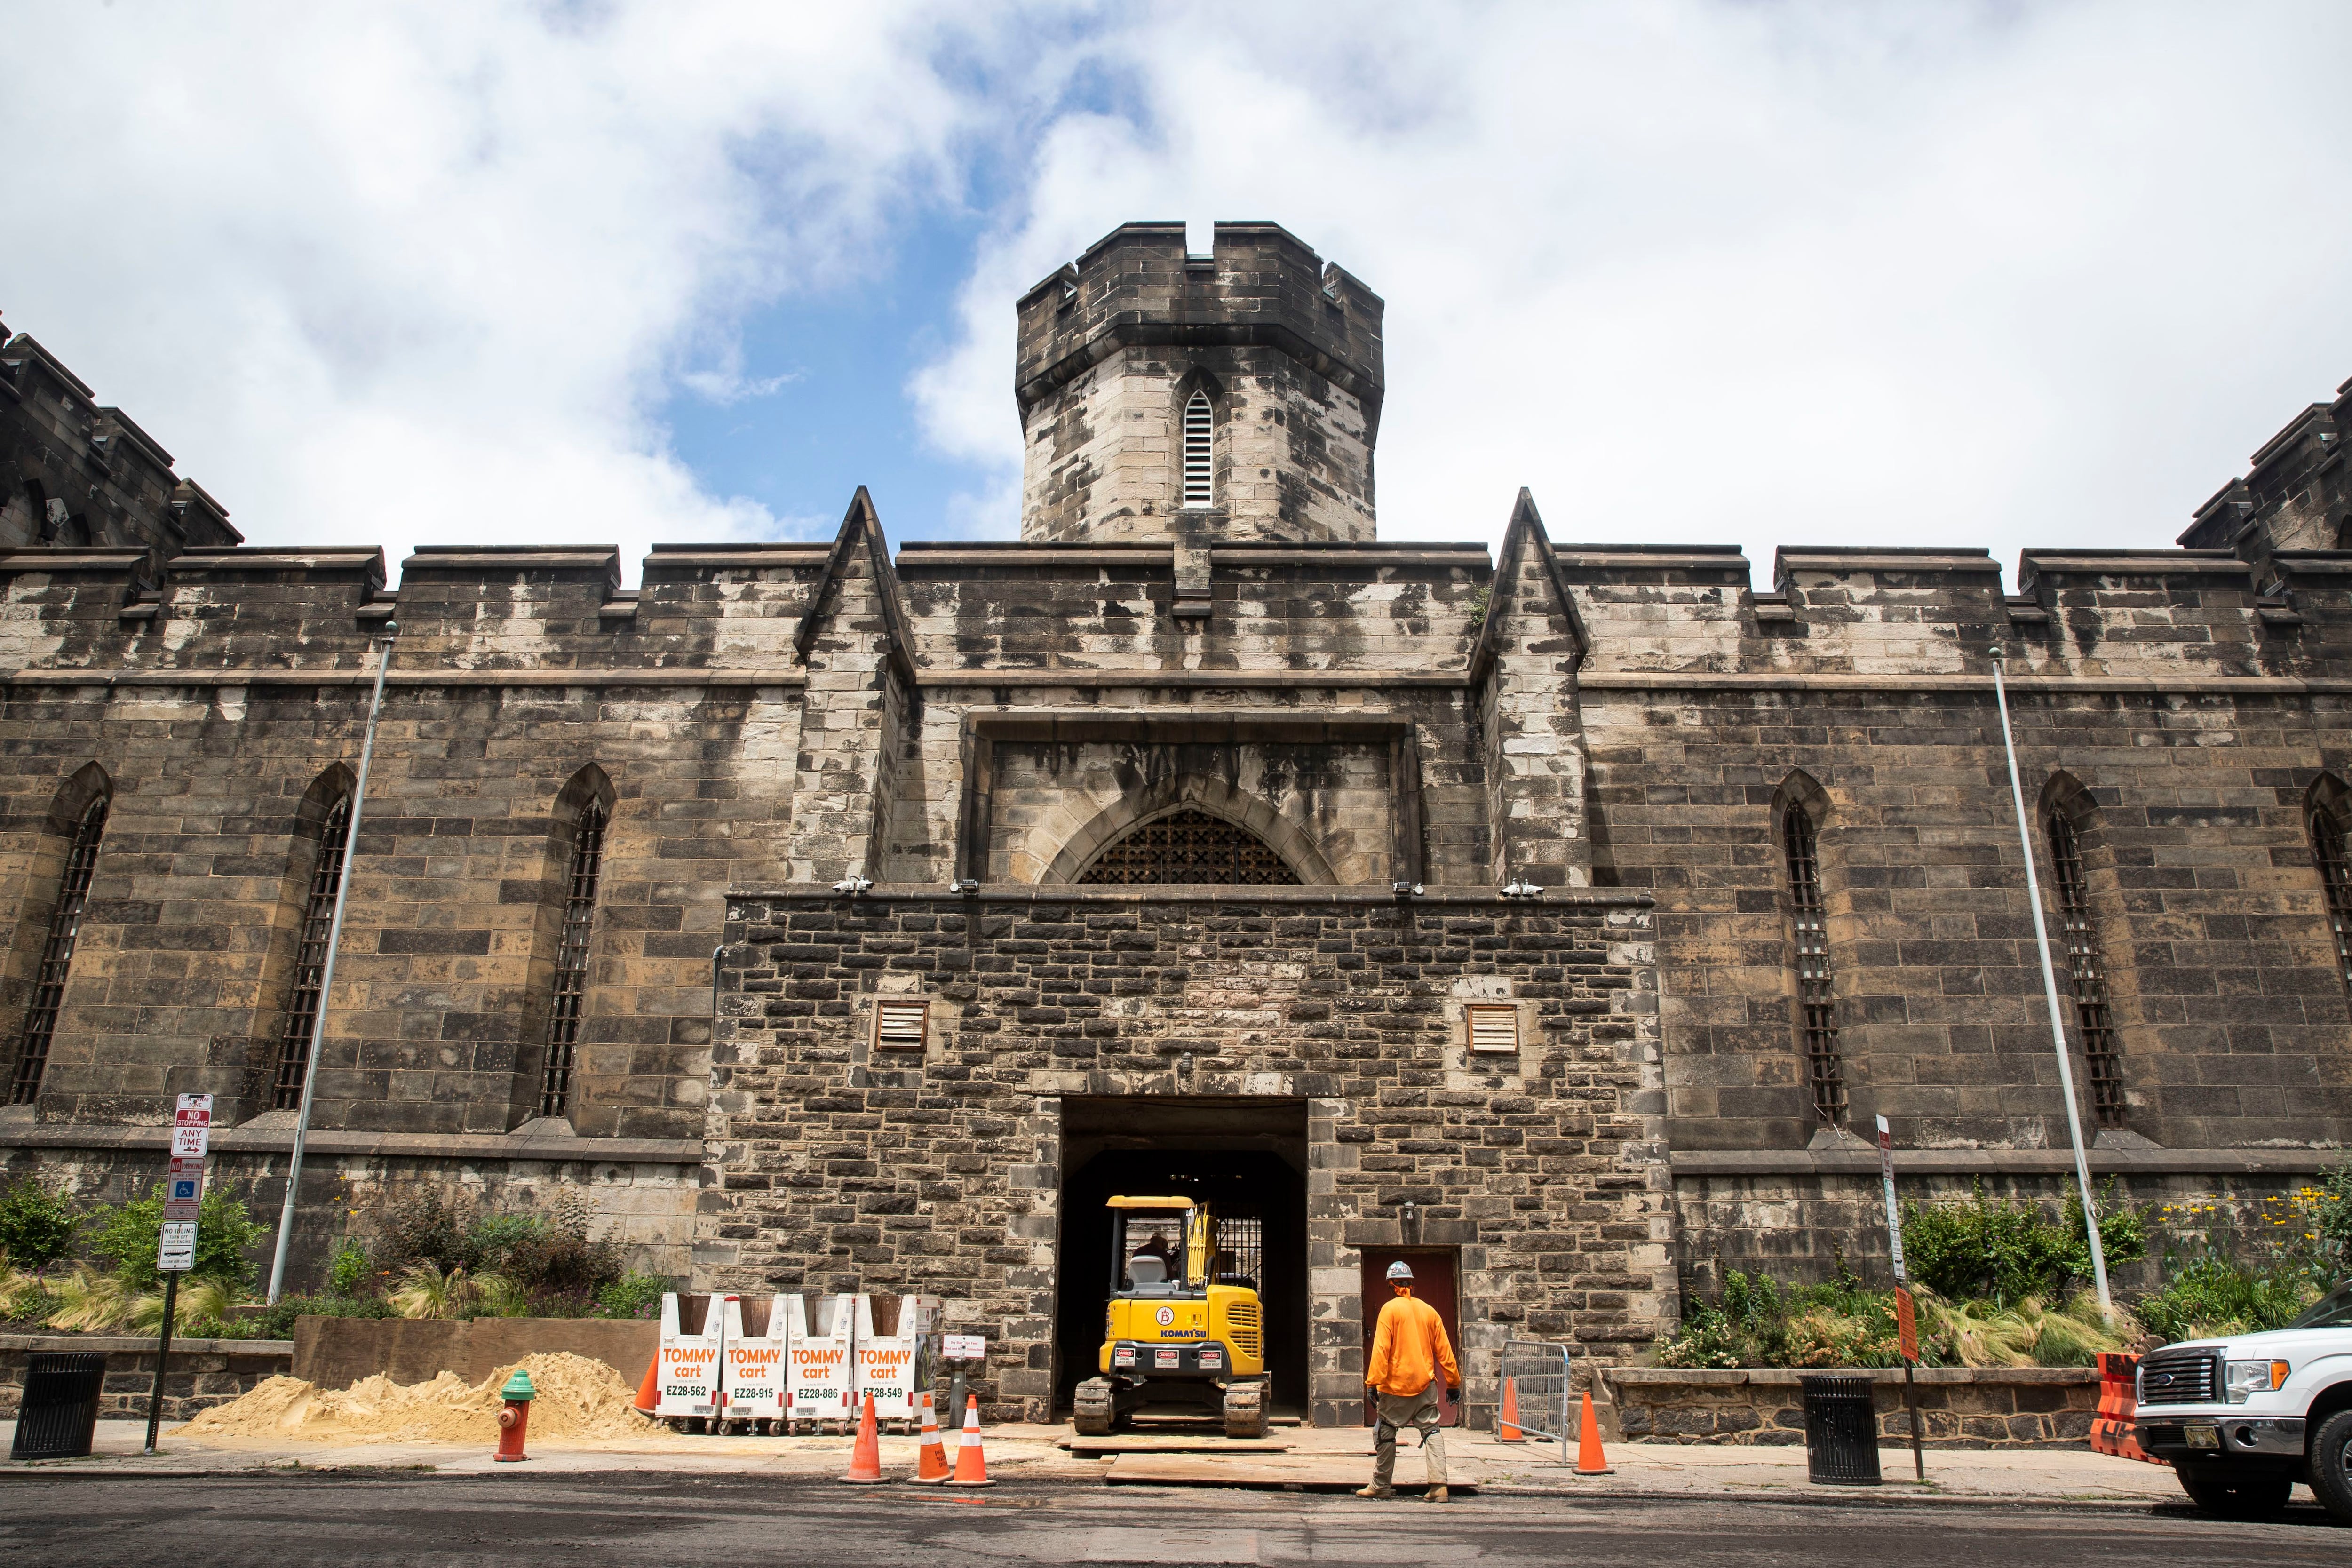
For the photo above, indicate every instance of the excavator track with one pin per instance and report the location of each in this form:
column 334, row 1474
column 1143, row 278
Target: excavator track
column 1245, row 1410
column 1097, row 1407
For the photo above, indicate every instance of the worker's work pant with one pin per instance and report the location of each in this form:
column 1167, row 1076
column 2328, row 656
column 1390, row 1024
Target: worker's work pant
column 1414, row 1410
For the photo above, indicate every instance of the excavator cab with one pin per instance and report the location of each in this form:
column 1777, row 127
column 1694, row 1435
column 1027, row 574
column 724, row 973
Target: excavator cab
column 1184, row 1326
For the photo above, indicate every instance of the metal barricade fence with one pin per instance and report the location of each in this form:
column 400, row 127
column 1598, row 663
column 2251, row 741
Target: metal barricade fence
column 1537, row 1372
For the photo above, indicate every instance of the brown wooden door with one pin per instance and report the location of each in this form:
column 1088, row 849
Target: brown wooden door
column 1433, row 1282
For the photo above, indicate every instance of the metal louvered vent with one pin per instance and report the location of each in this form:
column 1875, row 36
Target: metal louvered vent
column 2088, row 972
column 1493, row 1028
column 1199, row 465
column 901, row 1025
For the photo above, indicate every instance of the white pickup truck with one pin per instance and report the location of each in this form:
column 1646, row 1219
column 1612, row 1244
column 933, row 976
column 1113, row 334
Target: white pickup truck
column 2242, row 1419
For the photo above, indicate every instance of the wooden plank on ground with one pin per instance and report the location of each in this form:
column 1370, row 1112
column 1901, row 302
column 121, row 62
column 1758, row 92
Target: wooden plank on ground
column 1142, row 1445
column 1302, row 1473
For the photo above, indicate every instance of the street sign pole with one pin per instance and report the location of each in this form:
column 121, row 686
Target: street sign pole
column 175, row 1245
column 1906, row 1312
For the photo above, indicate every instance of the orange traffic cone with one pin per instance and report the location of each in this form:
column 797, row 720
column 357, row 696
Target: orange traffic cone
column 1507, row 1426
column 865, row 1455
column 972, row 1465
column 648, row 1398
column 931, row 1459
column 1589, row 1459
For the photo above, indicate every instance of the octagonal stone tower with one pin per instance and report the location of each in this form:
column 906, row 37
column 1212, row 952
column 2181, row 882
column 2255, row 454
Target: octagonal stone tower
column 1276, row 355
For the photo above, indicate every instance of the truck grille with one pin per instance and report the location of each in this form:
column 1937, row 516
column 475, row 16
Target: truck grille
column 1241, row 1318
column 2184, row 1377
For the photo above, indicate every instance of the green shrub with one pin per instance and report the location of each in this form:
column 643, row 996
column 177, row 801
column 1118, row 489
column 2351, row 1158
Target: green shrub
column 421, row 1227
column 125, row 1235
column 349, row 1271
column 2211, row 1295
column 633, row 1295
column 551, row 1258
column 37, row 1228
column 2002, row 1250
column 278, row 1322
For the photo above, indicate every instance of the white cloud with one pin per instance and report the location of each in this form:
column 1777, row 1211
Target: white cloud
column 420, row 273
column 1764, row 274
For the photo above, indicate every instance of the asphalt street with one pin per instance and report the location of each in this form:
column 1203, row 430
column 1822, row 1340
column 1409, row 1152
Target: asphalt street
column 358, row 1521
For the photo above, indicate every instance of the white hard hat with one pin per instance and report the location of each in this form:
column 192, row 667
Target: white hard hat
column 1400, row 1270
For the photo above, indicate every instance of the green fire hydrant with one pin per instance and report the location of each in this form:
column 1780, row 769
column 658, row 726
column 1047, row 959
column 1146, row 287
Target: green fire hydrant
column 514, row 1417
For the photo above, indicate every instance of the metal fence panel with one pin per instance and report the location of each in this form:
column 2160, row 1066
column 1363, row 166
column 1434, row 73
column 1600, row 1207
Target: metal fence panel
column 1537, row 1372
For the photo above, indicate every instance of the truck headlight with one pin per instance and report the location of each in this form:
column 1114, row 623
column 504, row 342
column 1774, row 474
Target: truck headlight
column 2240, row 1380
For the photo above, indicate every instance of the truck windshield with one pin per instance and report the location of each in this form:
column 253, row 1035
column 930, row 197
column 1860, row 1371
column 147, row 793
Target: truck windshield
column 2333, row 1310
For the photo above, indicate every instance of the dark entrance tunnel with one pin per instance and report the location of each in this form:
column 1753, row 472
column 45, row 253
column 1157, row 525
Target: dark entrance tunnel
column 1245, row 1157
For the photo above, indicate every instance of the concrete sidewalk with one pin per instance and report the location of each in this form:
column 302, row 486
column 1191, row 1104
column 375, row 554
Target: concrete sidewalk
column 1293, row 1458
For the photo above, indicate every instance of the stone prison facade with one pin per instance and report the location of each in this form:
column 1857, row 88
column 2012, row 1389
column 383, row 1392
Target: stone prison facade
column 1557, row 918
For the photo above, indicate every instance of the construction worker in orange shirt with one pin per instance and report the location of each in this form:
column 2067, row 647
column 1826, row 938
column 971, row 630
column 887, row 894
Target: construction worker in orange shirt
column 1409, row 1350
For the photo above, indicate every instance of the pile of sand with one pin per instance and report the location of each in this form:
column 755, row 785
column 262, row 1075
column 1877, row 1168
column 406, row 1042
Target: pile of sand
column 577, row 1398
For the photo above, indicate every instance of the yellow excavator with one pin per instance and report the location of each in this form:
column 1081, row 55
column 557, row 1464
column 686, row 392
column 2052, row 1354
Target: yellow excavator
column 1183, row 1327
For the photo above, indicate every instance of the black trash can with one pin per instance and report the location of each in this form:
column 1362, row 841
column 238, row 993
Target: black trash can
column 59, row 1414
column 1841, row 1429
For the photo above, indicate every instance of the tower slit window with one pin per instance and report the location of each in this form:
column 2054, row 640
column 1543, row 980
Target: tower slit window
column 1199, row 451
column 56, row 957
column 2086, row 972
column 2336, row 879
column 310, row 959
column 1816, row 996
column 570, row 992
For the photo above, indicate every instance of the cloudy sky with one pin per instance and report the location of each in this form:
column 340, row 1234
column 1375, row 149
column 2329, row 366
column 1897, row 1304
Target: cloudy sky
column 1998, row 274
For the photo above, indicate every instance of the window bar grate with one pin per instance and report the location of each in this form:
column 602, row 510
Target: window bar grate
column 56, row 957
column 310, row 959
column 1200, row 453
column 1816, row 996
column 2336, row 877
column 572, row 961
column 1191, row 847
column 2087, row 974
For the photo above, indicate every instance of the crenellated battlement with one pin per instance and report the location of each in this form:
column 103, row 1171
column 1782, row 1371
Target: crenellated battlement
column 78, row 474
column 1260, row 285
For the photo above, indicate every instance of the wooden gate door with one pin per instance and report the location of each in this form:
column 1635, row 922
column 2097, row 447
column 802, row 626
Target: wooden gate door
column 1433, row 1281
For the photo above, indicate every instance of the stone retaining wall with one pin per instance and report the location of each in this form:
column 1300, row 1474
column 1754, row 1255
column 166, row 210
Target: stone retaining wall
column 202, row 1373
column 1962, row 1407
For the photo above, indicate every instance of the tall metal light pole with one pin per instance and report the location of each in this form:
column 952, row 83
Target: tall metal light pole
column 2049, row 990
column 327, row 969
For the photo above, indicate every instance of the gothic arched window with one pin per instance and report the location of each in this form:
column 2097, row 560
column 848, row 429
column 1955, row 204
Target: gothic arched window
column 57, row 954
column 303, row 1001
column 2328, row 852
column 1816, row 996
column 1191, row 847
column 2086, row 968
column 569, row 998
column 1199, row 451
